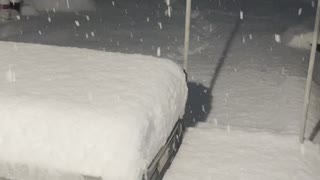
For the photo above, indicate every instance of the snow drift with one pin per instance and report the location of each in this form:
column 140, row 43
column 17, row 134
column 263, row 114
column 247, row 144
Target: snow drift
column 84, row 111
column 302, row 41
column 301, row 37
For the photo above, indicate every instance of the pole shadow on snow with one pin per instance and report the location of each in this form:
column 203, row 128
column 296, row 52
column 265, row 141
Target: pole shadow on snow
column 315, row 131
column 199, row 103
column 224, row 54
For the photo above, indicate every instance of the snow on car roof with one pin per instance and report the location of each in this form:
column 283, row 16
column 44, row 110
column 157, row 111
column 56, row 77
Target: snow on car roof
column 85, row 111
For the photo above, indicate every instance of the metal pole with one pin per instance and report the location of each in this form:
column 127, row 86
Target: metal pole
column 310, row 73
column 187, row 35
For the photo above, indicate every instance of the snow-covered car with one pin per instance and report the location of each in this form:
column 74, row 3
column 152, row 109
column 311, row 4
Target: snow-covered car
column 70, row 113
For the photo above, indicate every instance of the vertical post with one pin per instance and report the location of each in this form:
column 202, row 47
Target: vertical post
column 310, row 73
column 187, row 35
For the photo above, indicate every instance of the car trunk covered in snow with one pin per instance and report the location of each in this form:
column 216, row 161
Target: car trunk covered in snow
column 83, row 111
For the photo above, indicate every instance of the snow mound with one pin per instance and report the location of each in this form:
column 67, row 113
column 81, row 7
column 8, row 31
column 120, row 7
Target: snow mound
column 302, row 41
column 227, row 155
column 58, row 5
column 84, row 111
column 299, row 37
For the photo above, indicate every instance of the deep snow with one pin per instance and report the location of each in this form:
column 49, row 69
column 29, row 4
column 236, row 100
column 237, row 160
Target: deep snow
column 77, row 110
column 213, row 153
column 243, row 75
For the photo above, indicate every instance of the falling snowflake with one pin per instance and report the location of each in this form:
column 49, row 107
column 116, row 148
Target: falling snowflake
column 168, row 2
column 302, row 149
column 68, row 4
column 88, row 18
column 241, row 15
column 299, row 11
column 10, row 75
column 277, row 38
column 77, row 23
column 160, row 25
column 158, row 52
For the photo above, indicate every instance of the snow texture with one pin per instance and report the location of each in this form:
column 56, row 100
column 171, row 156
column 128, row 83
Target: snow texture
column 31, row 6
column 213, row 153
column 246, row 89
column 84, row 111
column 302, row 41
column 301, row 37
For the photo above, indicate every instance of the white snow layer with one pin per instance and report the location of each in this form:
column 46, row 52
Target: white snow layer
column 58, row 5
column 300, row 36
column 213, row 153
column 84, row 111
column 302, row 41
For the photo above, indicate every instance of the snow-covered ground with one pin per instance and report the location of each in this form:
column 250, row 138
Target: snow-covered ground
column 209, row 154
column 246, row 82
